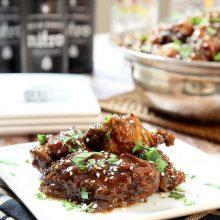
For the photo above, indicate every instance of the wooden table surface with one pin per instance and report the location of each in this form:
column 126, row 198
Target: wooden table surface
column 112, row 76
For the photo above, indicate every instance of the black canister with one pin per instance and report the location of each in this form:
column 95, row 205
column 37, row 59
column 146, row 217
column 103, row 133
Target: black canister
column 44, row 36
column 10, row 36
column 80, row 21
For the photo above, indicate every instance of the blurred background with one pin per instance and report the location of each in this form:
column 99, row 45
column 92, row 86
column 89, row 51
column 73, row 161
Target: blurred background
column 62, row 64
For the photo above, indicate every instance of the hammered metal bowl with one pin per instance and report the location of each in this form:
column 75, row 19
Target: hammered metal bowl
column 182, row 88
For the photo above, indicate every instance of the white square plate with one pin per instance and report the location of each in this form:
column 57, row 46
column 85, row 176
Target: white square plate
column 201, row 188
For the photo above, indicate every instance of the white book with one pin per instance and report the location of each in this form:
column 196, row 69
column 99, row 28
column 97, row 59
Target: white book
column 46, row 99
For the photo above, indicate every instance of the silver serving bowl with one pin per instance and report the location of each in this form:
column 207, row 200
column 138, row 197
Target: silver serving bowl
column 178, row 87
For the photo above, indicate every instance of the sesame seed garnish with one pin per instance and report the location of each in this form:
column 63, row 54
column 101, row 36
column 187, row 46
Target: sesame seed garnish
column 98, row 175
column 115, row 169
column 106, row 178
column 112, row 173
column 68, row 169
column 92, row 181
column 71, row 173
column 59, row 151
column 111, row 177
column 173, row 176
column 104, row 171
column 87, row 140
column 131, row 167
column 162, row 174
column 94, row 205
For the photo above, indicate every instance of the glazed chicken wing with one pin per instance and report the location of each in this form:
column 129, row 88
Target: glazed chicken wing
column 53, row 147
column 103, row 178
column 121, row 133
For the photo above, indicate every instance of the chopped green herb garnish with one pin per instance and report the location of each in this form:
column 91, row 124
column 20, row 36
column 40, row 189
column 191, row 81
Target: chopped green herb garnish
column 186, row 51
column 107, row 118
column 176, row 195
column 199, row 20
column 8, row 162
column 91, row 162
column 112, row 159
column 146, row 48
column 153, row 155
column 108, row 135
column 211, row 31
column 188, row 203
column 27, row 161
column 84, row 193
column 13, row 174
column 41, row 196
column 42, row 138
column 143, row 37
column 193, row 177
column 101, row 162
column 68, row 205
column 67, row 139
column 161, row 165
column 217, row 57
column 138, row 146
column 216, row 186
column 79, row 207
column 178, row 189
column 177, row 45
column 80, row 158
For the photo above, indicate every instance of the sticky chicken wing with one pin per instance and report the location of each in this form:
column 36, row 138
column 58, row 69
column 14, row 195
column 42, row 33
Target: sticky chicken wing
column 53, row 147
column 103, row 178
column 121, row 133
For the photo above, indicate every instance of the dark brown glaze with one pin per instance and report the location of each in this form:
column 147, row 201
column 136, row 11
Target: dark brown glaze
column 112, row 173
column 121, row 133
column 56, row 146
column 127, row 181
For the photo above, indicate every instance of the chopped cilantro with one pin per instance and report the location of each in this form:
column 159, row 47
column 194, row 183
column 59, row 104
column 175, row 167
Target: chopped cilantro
column 138, row 146
column 161, row 165
column 176, row 195
column 211, row 31
column 27, row 161
column 13, row 174
column 8, row 162
column 108, row 135
column 101, row 162
column 84, row 193
column 41, row 196
column 42, row 138
column 177, row 45
column 188, row 203
column 146, row 48
column 143, row 37
column 217, row 57
column 91, row 162
column 153, row 155
column 178, row 189
column 216, row 186
column 67, row 139
column 107, row 118
column 79, row 207
column 112, row 159
column 193, row 177
column 186, row 51
column 199, row 20
column 80, row 158
column 68, row 205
